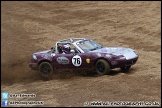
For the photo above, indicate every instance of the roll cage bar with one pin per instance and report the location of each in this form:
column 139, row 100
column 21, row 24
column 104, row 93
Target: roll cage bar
column 71, row 40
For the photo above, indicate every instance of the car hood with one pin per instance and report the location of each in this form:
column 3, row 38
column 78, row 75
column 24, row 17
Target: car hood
column 127, row 52
column 42, row 52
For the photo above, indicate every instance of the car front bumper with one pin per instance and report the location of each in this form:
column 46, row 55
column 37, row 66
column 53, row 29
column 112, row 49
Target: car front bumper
column 123, row 63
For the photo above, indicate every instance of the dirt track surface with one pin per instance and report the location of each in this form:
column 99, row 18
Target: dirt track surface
column 28, row 27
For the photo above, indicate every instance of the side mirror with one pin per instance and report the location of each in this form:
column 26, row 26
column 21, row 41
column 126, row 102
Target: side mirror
column 72, row 51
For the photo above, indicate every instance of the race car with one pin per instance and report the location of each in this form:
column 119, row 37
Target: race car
column 82, row 53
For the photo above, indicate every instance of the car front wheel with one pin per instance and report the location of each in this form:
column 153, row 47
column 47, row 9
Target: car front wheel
column 46, row 70
column 102, row 67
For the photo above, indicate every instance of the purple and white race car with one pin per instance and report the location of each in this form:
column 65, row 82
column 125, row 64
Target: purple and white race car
column 81, row 53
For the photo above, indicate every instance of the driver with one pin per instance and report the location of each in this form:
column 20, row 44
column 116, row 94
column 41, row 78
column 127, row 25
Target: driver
column 66, row 49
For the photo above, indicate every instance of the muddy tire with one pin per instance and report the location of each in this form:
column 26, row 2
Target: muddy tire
column 46, row 70
column 102, row 67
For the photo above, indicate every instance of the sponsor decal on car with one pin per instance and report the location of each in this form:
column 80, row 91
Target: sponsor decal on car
column 88, row 60
column 63, row 60
column 98, row 54
column 104, row 50
column 46, row 56
column 108, row 55
column 113, row 62
column 53, row 55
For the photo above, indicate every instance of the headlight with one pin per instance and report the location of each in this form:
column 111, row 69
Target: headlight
column 122, row 58
column 34, row 57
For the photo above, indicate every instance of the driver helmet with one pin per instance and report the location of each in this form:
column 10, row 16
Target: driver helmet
column 66, row 48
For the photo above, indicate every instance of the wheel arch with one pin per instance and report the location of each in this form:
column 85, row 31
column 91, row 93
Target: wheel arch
column 44, row 61
column 103, row 59
column 48, row 73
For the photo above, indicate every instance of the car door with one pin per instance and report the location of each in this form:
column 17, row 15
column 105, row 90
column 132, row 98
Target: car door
column 82, row 61
column 62, row 61
column 72, row 61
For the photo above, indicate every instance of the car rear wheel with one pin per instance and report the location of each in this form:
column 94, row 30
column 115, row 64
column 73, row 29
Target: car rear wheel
column 46, row 70
column 102, row 67
column 125, row 68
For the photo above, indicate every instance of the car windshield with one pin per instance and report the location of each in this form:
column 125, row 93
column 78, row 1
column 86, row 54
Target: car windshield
column 89, row 45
